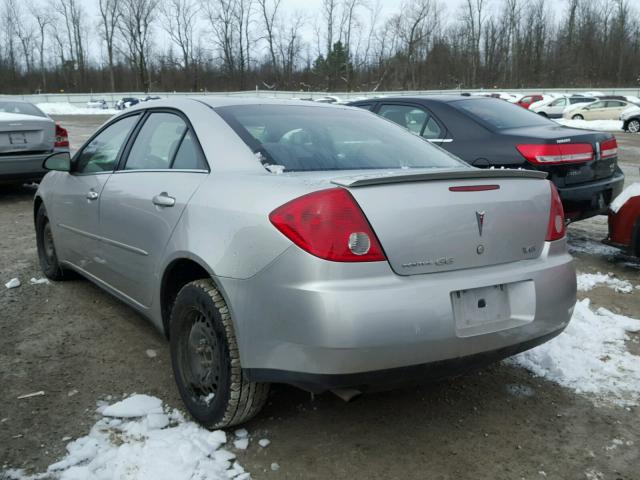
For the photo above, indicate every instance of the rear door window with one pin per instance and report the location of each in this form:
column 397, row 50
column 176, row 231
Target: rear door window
column 615, row 104
column 414, row 119
column 157, row 142
column 189, row 155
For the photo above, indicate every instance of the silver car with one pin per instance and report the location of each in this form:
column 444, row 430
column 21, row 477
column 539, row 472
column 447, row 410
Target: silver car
column 304, row 243
column 27, row 137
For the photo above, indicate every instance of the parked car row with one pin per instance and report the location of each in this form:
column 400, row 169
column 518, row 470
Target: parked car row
column 124, row 102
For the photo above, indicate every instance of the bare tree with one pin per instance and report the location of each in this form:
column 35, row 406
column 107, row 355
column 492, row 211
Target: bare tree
column 329, row 11
column 135, row 28
column 73, row 15
column 43, row 20
column 110, row 16
column 269, row 13
column 179, row 21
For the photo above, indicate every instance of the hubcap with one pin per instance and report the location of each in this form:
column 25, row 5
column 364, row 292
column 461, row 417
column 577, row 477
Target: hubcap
column 47, row 244
column 199, row 358
column 634, row 126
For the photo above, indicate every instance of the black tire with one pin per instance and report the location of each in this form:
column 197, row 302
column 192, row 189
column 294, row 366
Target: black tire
column 633, row 126
column 543, row 114
column 46, row 247
column 200, row 317
column 577, row 116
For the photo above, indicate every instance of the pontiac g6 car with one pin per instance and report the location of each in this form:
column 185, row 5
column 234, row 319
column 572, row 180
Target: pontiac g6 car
column 303, row 243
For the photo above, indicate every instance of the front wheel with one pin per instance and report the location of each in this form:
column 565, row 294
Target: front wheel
column 206, row 360
column 634, row 126
column 577, row 117
column 46, row 249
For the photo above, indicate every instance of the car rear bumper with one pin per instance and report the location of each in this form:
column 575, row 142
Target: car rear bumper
column 590, row 199
column 22, row 167
column 321, row 325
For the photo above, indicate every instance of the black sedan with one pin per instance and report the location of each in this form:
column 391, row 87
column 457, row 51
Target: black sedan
column 487, row 132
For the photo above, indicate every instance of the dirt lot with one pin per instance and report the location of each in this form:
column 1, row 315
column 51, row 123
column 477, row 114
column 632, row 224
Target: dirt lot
column 80, row 345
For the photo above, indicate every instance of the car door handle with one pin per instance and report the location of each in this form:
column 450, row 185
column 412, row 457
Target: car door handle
column 91, row 195
column 164, row 200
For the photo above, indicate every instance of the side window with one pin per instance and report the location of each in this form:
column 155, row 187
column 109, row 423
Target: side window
column 527, row 100
column 561, row 102
column 414, row 119
column 156, row 143
column 189, row 156
column 614, row 104
column 101, row 153
column 364, row 106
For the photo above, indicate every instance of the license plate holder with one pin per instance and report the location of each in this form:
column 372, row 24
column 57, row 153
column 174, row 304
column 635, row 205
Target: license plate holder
column 481, row 306
column 493, row 308
column 17, row 138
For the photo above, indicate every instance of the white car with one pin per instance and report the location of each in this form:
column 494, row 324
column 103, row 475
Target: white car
column 600, row 110
column 555, row 107
column 101, row 104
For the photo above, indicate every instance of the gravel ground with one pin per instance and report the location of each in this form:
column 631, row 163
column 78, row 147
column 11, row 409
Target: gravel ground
column 79, row 345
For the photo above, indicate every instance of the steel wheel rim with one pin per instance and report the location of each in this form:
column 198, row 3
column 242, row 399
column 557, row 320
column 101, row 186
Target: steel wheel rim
column 47, row 244
column 199, row 358
column 634, row 126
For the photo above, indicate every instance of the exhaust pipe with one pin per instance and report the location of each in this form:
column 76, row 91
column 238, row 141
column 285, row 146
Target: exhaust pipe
column 346, row 394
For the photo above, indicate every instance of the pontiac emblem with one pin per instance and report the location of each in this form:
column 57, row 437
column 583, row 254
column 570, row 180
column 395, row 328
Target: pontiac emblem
column 480, row 220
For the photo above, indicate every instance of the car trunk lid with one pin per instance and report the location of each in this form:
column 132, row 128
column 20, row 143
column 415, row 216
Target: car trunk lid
column 450, row 220
column 25, row 134
column 600, row 167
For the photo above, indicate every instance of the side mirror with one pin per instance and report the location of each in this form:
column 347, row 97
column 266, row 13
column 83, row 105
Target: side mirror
column 59, row 161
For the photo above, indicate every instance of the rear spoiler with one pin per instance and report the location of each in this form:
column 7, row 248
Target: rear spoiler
column 436, row 174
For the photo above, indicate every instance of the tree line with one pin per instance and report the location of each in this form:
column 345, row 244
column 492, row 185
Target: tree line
column 346, row 45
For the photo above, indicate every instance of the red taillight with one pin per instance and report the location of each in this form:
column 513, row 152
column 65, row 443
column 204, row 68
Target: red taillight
column 609, row 148
column 556, row 228
column 62, row 137
column 540, row 154
column 329, row 224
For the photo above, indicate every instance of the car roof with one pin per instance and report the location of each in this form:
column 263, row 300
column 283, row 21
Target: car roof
column 445, row 98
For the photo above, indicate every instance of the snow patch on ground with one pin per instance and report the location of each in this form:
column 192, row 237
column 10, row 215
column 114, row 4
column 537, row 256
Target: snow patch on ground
column 603, row 125
column 141, row 440
column 588, row 281
column 13, row 283
column 68, row 109
column 590, row 356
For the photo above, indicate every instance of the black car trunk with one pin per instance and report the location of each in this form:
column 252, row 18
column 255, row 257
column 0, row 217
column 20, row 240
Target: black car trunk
column 570, row 173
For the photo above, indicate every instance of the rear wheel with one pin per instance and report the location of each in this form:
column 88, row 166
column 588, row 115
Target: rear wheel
column 206, row 360
column 543, row 114
column 634, row 126
column 577, row 116
column 46, row 248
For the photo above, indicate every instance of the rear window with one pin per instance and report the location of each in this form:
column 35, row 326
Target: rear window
column 21, row 108
column 311, row 138
column 499, row 115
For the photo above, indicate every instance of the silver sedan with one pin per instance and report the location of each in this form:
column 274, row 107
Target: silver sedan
column 304, row 243
column 27, row 137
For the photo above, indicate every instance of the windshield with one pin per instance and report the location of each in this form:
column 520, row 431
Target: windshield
column 20, row 107
column 500, row 115
column 311, row 138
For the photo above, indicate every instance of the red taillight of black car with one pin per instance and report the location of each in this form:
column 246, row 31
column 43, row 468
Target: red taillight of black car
column 609, row 148
column 558, row 154
column 62, row 137
column 330, row 225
